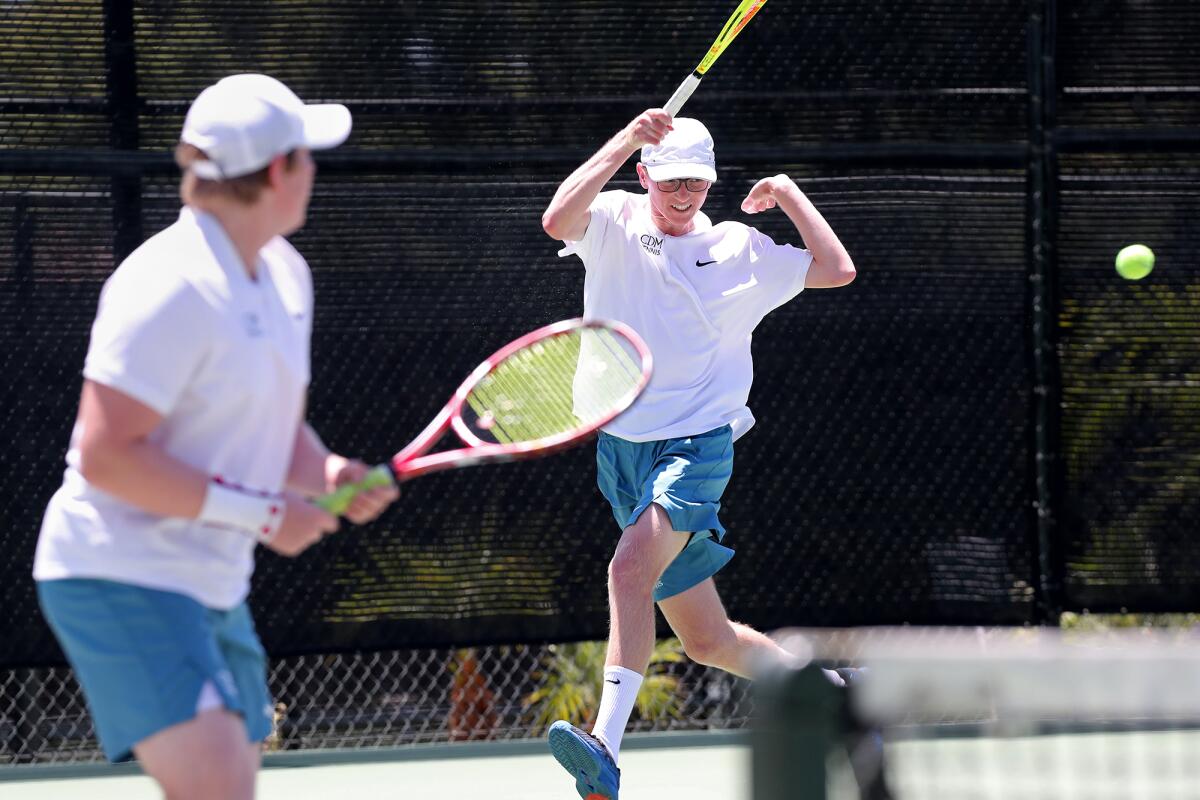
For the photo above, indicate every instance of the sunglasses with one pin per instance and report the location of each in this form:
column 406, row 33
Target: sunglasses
column 693, row 185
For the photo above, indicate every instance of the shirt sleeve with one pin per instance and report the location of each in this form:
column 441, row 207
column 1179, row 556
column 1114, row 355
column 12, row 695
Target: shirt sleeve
column 148, row 339
column 604, row 213
column 781, row 267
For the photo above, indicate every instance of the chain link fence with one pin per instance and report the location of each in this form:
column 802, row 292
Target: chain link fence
column 1015, row 428
column 400, row 697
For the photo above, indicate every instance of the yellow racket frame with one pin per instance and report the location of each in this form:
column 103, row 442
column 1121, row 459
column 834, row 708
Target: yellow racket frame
column 733, row 26
column 737, row 20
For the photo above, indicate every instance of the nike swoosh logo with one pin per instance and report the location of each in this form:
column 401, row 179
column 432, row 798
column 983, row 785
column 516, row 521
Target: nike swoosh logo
column 617, row 683
column 700, row 263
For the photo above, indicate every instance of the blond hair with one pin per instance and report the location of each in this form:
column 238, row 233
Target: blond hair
column 243, row 189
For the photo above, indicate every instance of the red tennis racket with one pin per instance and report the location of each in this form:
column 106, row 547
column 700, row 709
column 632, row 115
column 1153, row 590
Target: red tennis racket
column 548, row 390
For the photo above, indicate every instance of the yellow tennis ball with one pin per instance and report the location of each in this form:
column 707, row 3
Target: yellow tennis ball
column 1135, row 262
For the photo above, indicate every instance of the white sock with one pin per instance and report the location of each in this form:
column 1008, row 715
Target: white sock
column 616, row 704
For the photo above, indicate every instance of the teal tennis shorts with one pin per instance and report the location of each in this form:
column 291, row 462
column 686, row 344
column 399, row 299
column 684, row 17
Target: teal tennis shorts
column 686, row 477
column 143, row 655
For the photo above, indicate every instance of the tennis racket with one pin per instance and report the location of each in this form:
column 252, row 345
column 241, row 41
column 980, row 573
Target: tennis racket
column 543, row 392
column 741, row 16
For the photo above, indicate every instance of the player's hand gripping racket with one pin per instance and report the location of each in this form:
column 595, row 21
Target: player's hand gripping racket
column 741, row 16
column 547, row 390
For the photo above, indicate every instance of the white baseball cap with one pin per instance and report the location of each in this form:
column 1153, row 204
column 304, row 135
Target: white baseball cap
column 685, row 152
column 243, row 121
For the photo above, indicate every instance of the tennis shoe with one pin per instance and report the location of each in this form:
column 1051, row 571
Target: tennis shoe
column 587, row 759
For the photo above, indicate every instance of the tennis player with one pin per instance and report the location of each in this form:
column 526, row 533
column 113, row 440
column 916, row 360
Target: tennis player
column 190, row 449
column 695, row 291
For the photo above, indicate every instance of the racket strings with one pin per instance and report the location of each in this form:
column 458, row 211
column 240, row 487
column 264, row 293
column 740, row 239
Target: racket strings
column 528, row 396
column 609, row 374
column 555, row 386
column 540, row 388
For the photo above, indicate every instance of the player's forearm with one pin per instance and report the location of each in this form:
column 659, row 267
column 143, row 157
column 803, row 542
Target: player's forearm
column 143, row 475
column 307, row 470
column 117, row 456
column 829, row 255
column 574, row 197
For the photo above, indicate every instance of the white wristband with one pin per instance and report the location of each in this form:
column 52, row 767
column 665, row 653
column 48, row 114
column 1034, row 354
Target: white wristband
column 231, row 506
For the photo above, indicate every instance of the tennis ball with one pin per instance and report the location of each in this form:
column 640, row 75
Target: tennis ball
column 1135, row 262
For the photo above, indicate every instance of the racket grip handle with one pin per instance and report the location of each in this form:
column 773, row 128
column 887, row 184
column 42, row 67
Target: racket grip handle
column 682, row 94
column 337, row 501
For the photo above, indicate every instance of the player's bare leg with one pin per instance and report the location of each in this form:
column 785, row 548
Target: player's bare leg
column 207, row 756
column 709, row 637
column 645, row 550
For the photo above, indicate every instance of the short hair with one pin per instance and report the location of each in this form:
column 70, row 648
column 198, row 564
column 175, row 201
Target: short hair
column 243, row 189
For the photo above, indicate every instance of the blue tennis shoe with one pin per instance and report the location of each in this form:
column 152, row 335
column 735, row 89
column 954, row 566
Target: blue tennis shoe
column 587, row 759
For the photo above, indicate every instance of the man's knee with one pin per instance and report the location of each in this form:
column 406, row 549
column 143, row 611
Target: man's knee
column 629, row 574
column 233, row 780
column 205, row 758
column 709, row 645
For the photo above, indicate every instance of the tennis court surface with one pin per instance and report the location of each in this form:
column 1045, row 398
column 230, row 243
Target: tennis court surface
column 695, row 766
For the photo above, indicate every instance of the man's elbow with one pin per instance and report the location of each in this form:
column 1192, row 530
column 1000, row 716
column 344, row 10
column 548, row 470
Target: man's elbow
column 553, row 226
column 832, row 276
column 846, row 272
column 96, row 463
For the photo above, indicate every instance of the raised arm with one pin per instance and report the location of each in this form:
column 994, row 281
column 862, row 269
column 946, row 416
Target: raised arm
column 568, row 215
column 831, row 265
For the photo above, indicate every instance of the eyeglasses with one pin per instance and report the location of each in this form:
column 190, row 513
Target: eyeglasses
column 693, row 185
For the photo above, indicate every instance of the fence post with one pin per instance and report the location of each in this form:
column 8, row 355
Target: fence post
column 1042, row 228
column 121, row 97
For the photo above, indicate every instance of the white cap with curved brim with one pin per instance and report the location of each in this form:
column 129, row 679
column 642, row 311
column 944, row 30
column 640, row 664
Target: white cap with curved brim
column 685, row 152
column 243, row 121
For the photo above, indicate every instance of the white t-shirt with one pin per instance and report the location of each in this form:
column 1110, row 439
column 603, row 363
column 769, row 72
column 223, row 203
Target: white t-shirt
column 695, row 299
column 225, row 360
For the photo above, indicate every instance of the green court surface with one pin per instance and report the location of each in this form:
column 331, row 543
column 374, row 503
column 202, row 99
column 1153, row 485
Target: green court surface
column 696, row 766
